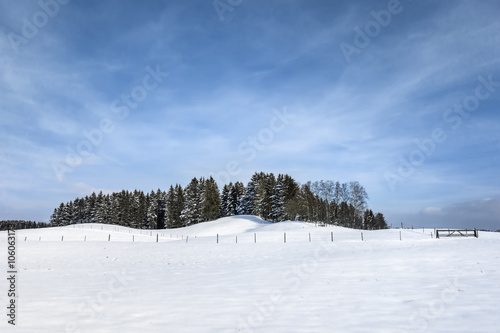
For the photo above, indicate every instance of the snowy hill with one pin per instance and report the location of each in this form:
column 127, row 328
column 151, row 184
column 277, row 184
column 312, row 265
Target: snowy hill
column 72, row 279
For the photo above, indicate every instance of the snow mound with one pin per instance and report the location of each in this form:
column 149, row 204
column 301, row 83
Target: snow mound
column 225, row 226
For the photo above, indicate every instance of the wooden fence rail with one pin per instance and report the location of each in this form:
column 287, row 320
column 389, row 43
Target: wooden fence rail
column 457, row 233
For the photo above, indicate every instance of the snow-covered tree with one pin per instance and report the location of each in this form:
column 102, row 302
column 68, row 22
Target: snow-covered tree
column 175, row 205
column 246, row 206
column 192, row 212
column 236, row 193
column 224, row 205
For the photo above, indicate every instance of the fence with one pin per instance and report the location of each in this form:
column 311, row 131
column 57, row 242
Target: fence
column 457, row 233
column 111, row 233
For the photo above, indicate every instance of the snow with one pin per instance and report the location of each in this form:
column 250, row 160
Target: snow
column 381, row 284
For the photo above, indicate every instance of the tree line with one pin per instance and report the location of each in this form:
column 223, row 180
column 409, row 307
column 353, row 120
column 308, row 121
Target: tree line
column 273, row 198
column 20, row 224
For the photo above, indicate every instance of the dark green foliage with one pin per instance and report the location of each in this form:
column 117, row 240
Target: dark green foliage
column 211, row 202
column 192, row 212
column 20, row 224
column 272, row 198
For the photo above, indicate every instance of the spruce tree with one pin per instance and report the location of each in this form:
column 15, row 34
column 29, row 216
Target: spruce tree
column 191, row 214
column 379, row 221
column 225, row 204
column 246, row 206
column 236, row 194
column 211, row 201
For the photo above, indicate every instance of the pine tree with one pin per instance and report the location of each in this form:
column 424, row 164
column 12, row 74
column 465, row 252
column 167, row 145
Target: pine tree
column 192, row 212
column 368, row 220
column 278, row 200
column 160, row 209
column 225, row 209
column 263, row 196
column 178, row 206
column 152, row 211
column 344, row 218
column 380, row 222
column 246, row 206
column 79, row 210
column 236, row 194
column 68, row 214
column 211, row 202
column 90, row 208
column 170, row 208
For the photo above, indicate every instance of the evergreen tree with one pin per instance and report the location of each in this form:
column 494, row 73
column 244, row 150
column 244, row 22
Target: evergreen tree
column 236, row 194
column 225, row 205
column 263, row 196
column 275, row 199
column 246, row 206
column 152, row 211
column 380, row 222
column 278, row 200
column 67, row 216
column 368, row 220
column 170, row 208
column 175, row 205
column 160, row 209
column 211, row 203
column 192, row 212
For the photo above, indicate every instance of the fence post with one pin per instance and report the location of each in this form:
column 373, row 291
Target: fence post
column 255, row 237
column 309, row 237
column 109, row 237
column 362, row 237
column 157, row 238
column 332, row 236
column 400, row 235
column 284, row 237
column 217, row 238
column 187, row 237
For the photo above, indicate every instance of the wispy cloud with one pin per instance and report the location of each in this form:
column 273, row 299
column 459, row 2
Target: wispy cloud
column 351, row 121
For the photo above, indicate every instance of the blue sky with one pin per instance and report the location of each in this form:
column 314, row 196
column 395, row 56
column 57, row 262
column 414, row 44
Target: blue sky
column 109, row 95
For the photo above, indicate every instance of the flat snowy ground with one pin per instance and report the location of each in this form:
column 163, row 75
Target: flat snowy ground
column 187, row 282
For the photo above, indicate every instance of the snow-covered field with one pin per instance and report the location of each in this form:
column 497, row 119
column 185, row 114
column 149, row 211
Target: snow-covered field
column 72, row 279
